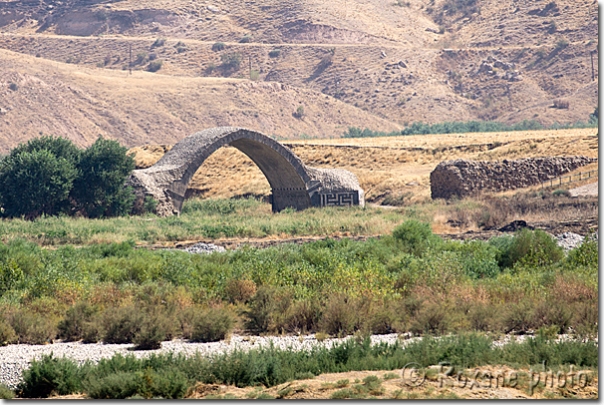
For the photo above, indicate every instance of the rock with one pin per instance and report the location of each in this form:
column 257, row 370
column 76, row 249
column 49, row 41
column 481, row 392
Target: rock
column 515, row 226
column 204, row 248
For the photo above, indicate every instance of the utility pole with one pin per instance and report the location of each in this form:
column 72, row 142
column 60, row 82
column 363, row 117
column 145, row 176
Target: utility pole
column 593, row 75
column 130, row 62
column 250, row 62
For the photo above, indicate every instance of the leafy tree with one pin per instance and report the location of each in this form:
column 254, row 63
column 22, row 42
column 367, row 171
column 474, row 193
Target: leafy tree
column 36, row 177
column 99, row 189
column 59, row 147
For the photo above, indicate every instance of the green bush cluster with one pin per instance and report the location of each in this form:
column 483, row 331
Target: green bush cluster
column 411, row 281
column 169, row 376
column 51, row 176
column 458, row 127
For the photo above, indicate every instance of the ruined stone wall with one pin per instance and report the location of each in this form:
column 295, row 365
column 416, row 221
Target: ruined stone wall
column 466, row 177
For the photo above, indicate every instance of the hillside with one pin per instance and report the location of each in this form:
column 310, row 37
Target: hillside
column 39, row 96
column 398, row 61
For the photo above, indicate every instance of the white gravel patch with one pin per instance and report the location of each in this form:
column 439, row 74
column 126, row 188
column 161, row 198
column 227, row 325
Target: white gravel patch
column 570, row 240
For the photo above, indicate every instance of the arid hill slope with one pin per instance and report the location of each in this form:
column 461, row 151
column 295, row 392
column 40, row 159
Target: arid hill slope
column 403, row 61
column 39, row 96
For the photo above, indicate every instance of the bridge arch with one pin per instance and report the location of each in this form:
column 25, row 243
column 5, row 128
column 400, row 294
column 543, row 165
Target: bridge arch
column 293, row 184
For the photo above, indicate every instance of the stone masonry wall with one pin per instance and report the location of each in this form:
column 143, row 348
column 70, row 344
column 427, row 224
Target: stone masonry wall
column 466, row 177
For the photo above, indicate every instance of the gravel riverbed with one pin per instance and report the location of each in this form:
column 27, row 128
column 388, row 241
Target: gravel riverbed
column 16, row 358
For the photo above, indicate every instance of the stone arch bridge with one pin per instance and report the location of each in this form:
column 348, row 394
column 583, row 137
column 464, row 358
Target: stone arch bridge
column 293, row 184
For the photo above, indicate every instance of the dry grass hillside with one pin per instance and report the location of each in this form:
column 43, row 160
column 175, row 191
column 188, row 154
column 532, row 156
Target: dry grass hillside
column 391, row 166
column 399, row 61
column 39, row 96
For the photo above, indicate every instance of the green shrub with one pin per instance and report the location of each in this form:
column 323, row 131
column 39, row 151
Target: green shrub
column 266, row 309
column 479, row 259
column 33, row 328
column 340, row 316
column 212, row 325
column 354, row 132
column 299, row 113
column 585, row 254
column 432, row 318
column 122, row 324
column 148, row 383
column 155, row 65
column 415, row 237
column 5, row 392
column 343, row 394
column 535, row 248
column 503, row 244
column 302, row 316
column 155, row 328
column 218, row 46
column 140, row 57
column 50, row 375
column 71, row 328
column 230, row 61
column 167, row 375
column 239, row 290
column 120, row 385
column 7, row 333
column 13, row 86
column 594, row 117
column 246, row 39
column 99, row 189
column 92, row 331
column 275, row 53
column 36, row 178
column 158, row 42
